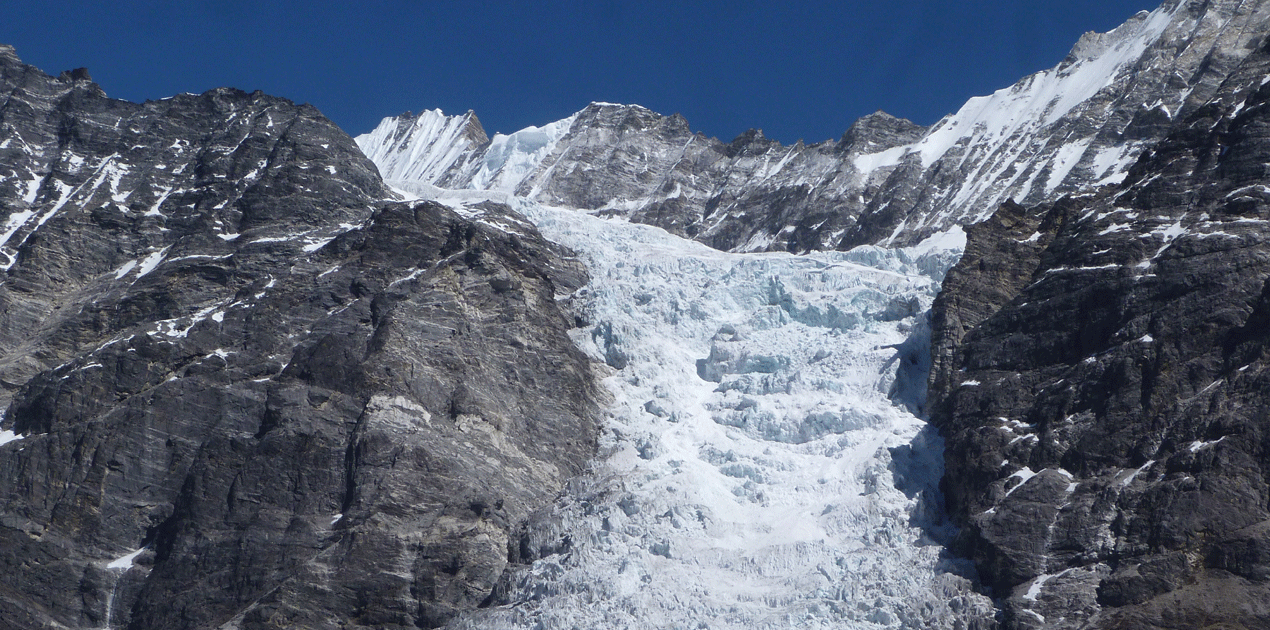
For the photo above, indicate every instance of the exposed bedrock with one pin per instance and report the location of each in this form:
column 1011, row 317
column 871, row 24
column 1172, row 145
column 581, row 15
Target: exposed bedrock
column 1101, row 376
column 252, row 389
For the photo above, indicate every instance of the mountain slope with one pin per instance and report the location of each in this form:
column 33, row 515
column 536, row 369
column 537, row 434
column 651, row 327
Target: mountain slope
column 248, row 386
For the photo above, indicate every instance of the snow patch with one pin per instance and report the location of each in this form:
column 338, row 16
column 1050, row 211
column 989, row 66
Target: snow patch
column 1197, row 444
column 123, row 271
column 149, row 263
column 124, row 562
column 1023, row 475
column 1133, row 475
column 870, row 162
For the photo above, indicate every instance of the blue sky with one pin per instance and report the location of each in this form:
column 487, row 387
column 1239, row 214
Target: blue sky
column 796, row 70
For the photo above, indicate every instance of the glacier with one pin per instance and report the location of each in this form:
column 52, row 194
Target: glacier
column 762, row 463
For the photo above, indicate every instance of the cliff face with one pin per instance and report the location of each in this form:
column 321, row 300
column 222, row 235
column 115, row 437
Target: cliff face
column 1100, row 374
column 247, row 386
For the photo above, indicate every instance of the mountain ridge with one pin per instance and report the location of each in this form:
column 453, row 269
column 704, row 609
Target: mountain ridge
column 1055, row 132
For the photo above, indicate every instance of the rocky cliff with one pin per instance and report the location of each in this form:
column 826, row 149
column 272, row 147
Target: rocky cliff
column 1100, row 375
column 246, row 388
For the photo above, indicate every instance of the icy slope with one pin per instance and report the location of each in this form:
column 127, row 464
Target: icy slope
column 423, row 147
column 759, row 467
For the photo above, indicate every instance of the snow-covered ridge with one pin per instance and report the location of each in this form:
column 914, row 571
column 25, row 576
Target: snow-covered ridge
column 422, row 147
column 1042, row 99
column 1079, row 124
column 509, row 159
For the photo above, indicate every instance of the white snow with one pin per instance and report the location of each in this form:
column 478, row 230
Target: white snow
column 15, row 221
column 1111, row 164
column 7, row 436
column 422, row 151
column 1129, row 479
column 33, row 189
column 124, row 562
column 123, row 271
column 162, row 197
column 149, row 263
column 1168, row 233
column 1045, row 97
column 1198, row 444
column 314, row 244
column 512, row 158
column 1034, row 590
column 1065, row 159
column 870, row 162
column 1023, row 475
column 180, row 326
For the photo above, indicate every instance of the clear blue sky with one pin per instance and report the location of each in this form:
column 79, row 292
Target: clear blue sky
column 796, row 70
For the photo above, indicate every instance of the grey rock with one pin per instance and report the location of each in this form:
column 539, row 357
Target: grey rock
column 1100, row 378
column 226, row 344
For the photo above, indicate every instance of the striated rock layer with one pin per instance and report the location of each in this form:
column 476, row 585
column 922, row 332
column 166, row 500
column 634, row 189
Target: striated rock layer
column 247, row 389
column 1101, row 377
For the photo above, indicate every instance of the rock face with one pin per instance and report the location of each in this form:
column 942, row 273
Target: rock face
column 886, row 181
column 249, row 388
column 1101, row 376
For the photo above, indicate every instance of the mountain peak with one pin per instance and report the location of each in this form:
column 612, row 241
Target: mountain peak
column 878, row 131
column 77, row 74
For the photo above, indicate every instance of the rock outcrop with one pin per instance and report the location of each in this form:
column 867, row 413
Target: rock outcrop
column 251, row 389
column 1101, row 377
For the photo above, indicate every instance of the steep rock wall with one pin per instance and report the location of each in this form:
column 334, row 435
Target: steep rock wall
column 1101, row 381
column 248, row 387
